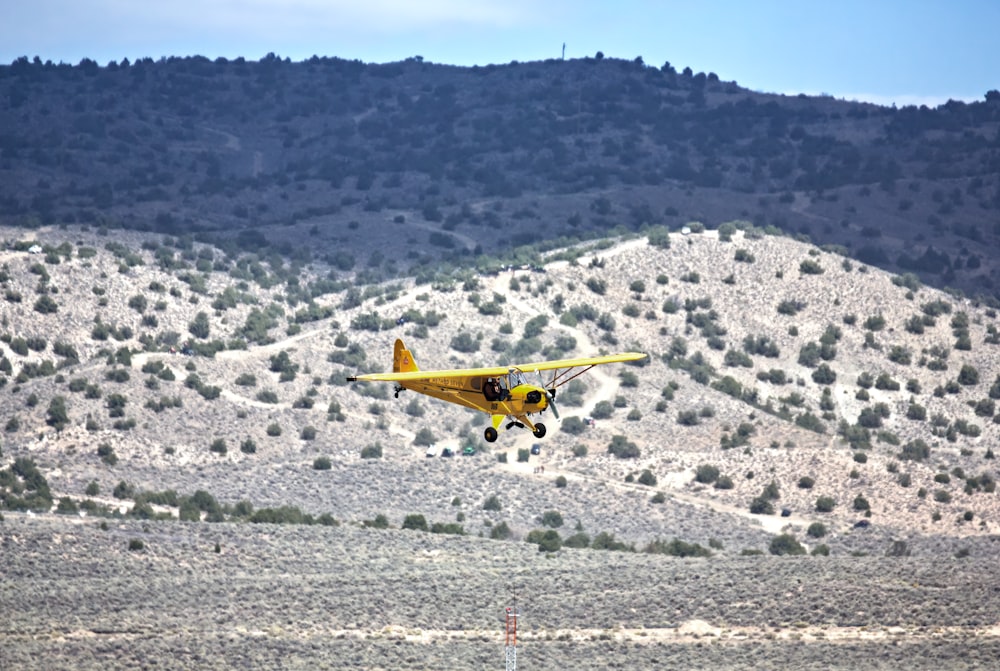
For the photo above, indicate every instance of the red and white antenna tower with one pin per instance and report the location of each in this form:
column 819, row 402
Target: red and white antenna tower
column 510, row 643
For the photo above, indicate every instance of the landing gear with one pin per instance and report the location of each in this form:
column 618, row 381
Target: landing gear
column 539, row 430
column 490, row 434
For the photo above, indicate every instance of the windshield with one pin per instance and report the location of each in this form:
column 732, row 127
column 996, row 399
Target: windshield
column 516, row 378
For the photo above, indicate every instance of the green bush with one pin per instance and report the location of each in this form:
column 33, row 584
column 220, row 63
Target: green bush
column 825, row 504
column 552, row 518
column 573, row 426
column 706, row 474
column 785, row 544
column 501, row 532
column 322, row 464
column 372, row 451
column 816, row 530
column 623, row 448
column 492, row 503
column 761, row 506
column 677, row 548
column 415, row 522
column 647, row 478
column 548, row 540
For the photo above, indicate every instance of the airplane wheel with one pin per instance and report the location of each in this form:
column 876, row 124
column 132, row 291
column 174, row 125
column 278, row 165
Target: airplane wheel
column 490, row 435
column 539, row 430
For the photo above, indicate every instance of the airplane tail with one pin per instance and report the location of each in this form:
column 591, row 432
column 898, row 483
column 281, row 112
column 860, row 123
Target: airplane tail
column 402, row 360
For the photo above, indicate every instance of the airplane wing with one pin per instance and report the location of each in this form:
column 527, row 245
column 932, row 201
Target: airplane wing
column 492, row 371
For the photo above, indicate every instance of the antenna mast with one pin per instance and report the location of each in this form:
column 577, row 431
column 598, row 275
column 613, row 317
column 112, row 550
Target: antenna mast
column 510, row 626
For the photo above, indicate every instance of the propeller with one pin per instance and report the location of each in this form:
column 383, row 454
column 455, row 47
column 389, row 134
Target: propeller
column 550, row 395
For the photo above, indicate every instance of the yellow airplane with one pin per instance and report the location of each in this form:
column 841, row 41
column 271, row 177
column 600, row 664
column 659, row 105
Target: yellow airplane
column 503, row 392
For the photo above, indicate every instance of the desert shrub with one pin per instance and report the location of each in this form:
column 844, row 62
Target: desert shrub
column 247, row 380
column 825, row 504
column 790, row 307
column 706, row 474
column 308, row 433
column 915, row 450
column 603, row 410
column 968, row 375
column 267, row 396
column 861, row 503
column 606, row 541
column 647, row 478
column 380, row 521
column 875, row 322
column 274, row 429
column 942, row 496
column 561, row 482
column 811, row 422
column 501, row 532
column 46, row 305
column 623, row 448
column 821, row 550
column 676, row 548
column 492, row 503
column 547, row 540
column 785, row 544
column 107, row 454
column 816, row 530
column 551, row 518
column 805, row 482
column 810, row 267
column 762, row 506
column 416, row 522
column 372, row 451
column 248, row 446
column 824, row 375
column 573, row 426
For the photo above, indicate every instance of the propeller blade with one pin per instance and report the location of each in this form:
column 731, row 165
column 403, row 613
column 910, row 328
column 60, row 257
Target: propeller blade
column 550, row 394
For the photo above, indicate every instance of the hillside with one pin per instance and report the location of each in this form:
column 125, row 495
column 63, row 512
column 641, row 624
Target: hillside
column 759, row 347
column 800, row 362
column 311, row 156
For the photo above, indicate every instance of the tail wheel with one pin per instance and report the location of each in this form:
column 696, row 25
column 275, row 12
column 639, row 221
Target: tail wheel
column 539, row 430
column 490, row 435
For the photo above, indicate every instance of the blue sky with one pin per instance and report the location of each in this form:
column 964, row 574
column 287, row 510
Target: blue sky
column 885, row 51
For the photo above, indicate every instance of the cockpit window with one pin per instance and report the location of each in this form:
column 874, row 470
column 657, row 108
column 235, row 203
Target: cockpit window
column 516, row 378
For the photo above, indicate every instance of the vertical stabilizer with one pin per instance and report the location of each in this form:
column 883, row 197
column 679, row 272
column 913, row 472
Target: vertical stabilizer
column 402, row 360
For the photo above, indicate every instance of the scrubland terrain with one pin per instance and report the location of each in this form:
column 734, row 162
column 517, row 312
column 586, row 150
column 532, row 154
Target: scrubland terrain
column 789, row 394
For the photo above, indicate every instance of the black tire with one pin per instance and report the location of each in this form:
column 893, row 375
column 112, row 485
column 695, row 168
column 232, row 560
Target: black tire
column 490, row 434
column 539, row 430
